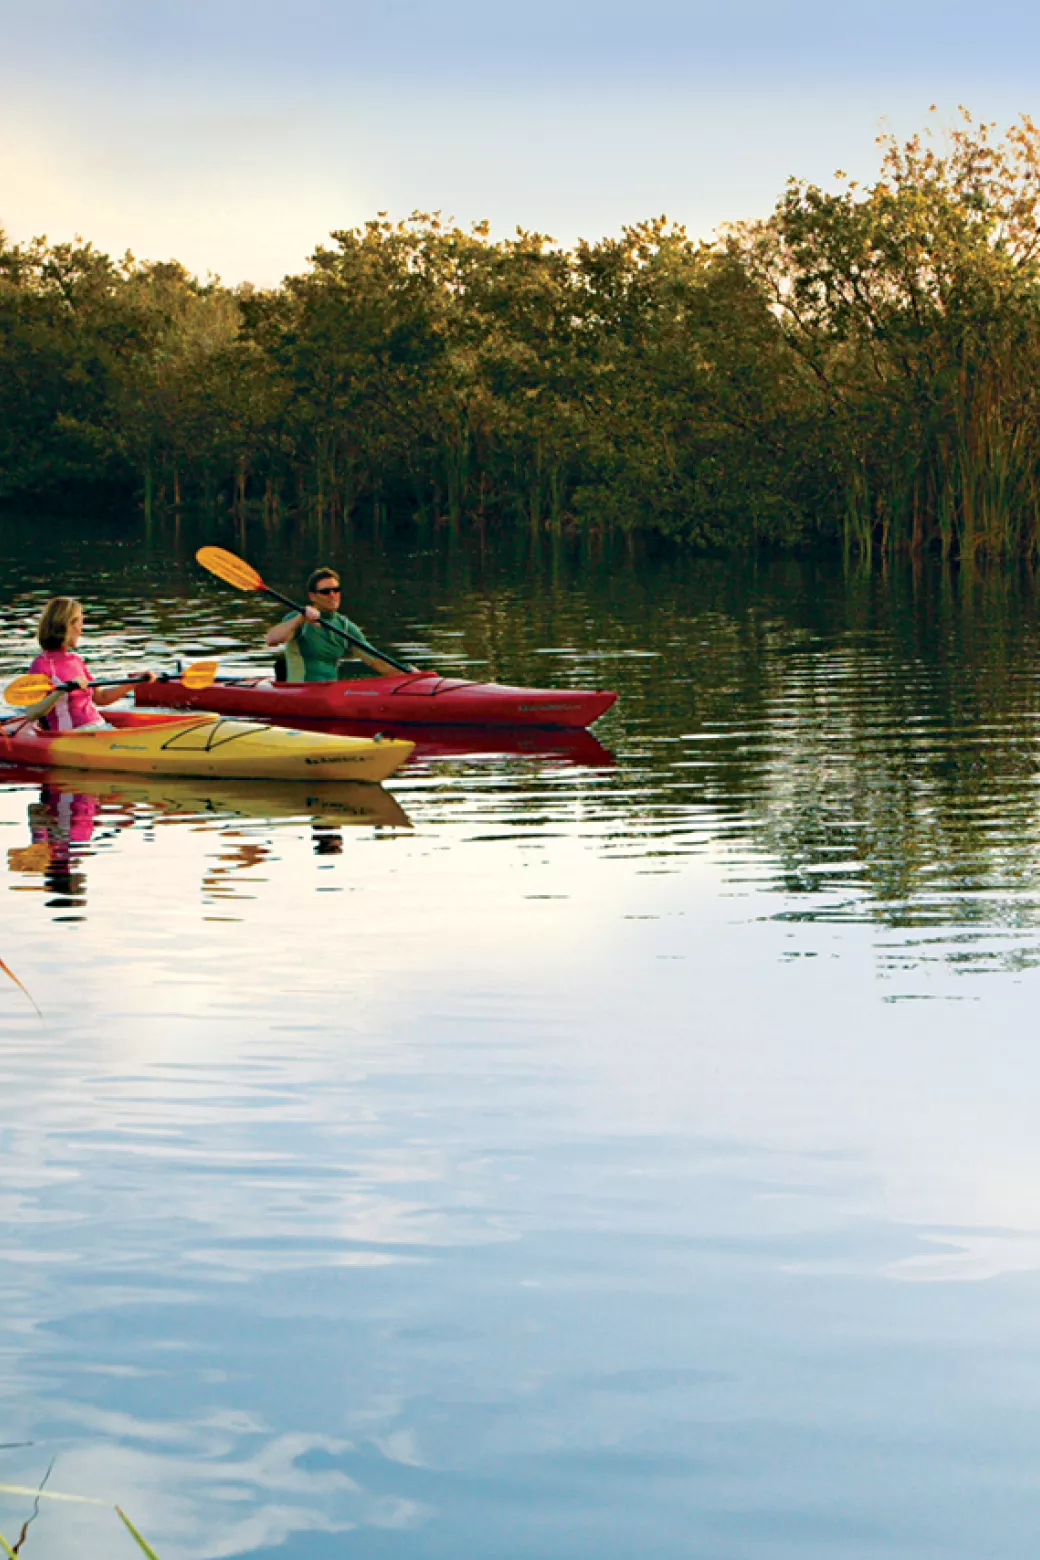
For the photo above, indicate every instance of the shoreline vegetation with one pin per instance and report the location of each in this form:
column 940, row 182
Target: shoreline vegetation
column 859, row 370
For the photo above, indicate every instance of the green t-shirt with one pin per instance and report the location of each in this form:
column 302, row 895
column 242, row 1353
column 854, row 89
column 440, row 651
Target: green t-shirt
column 314, row 652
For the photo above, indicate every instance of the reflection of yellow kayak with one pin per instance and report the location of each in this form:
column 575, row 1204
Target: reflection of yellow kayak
column 203, row 745
column 340, row 802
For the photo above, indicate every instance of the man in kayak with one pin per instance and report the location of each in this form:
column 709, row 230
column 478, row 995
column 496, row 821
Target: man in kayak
column 312, row 648
column 59, row 632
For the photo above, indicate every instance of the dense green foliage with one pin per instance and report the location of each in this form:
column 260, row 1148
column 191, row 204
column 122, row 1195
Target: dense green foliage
column 861, row 367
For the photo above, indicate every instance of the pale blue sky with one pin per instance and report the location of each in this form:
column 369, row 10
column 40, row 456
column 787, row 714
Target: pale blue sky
column 235, row 135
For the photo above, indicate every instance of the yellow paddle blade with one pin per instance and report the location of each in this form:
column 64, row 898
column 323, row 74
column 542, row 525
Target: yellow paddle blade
column 29, row 858
column 27, row 690
column 199, row 674
column 226, row 566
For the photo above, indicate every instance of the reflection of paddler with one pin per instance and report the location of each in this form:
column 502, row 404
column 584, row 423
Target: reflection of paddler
column 242, row 853
column 63, row 818
column 58, row 822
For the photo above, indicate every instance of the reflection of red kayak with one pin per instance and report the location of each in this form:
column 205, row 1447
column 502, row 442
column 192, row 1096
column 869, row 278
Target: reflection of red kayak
column 569, row 747
column 418, row 698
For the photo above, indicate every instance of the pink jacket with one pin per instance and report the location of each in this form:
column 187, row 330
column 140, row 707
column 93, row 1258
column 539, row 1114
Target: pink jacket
column 73, row 709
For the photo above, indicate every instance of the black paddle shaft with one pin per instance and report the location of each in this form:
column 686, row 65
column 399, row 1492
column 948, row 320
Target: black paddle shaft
column 115, row 682
column 351, row 639
column 105, row 682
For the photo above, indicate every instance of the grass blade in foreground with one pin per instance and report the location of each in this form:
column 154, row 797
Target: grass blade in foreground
column 41, row 1494
column 12, row 976
column 79, row 1500
column 143, row 1544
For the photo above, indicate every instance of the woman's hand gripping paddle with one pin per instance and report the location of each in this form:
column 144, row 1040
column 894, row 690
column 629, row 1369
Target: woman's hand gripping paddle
column 237, row 572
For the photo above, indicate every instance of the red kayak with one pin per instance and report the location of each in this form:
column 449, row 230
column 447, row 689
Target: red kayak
column 413, row 699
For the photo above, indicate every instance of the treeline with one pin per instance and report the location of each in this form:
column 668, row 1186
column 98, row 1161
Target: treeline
column 861, row 368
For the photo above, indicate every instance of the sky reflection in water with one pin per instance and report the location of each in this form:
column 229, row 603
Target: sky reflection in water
column 548, row 1159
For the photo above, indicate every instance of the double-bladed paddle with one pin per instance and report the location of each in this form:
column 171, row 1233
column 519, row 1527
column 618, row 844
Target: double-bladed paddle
column 227, row 566
column 33, row 687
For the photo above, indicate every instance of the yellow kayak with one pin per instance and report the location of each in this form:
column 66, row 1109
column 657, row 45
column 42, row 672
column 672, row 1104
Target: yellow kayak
column 143, row 743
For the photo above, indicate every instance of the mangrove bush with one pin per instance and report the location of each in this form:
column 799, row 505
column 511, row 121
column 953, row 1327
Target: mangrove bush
column 861, row 368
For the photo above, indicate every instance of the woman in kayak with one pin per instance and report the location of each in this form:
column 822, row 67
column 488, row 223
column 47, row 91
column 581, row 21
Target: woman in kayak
column 59, row 632
column 312, row 648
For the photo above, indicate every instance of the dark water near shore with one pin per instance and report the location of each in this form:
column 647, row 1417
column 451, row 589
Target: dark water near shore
column 628, row 1156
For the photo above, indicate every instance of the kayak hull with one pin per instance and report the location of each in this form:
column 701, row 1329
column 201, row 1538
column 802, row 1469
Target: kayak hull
column 421, row 699
column 203, row 746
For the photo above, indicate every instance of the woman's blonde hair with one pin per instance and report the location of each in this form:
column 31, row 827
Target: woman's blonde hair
column 56, row 619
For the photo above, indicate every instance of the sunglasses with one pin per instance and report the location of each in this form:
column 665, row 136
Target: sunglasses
column 328, row 590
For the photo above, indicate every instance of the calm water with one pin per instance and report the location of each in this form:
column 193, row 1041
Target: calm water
column 620, row 1152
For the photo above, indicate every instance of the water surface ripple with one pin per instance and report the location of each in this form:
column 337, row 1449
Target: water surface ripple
column 615, row 1151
